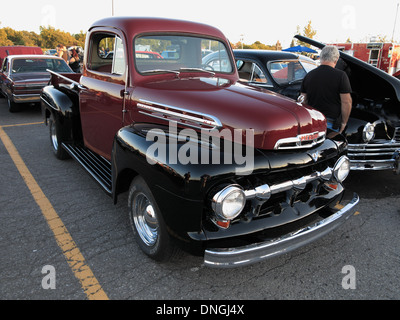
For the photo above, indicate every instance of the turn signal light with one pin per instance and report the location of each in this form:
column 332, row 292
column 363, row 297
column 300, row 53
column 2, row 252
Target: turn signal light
column 331, row 186
column 223, row 224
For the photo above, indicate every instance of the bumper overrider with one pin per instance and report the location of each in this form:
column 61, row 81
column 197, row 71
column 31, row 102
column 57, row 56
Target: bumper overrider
column 240, row 256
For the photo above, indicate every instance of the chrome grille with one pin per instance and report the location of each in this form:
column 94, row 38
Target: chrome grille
column 380, row 154
column 304, row 141
column 396, row 136
column 373, row 151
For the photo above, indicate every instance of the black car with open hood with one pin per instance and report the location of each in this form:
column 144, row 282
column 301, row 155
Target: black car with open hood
column 373, row 130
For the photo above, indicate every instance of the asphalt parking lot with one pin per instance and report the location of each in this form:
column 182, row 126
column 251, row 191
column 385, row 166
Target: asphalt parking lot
column 62, row 238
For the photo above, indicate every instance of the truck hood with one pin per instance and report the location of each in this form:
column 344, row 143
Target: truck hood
column 229, row 106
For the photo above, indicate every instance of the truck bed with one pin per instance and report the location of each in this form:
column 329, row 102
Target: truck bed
column 64, row 78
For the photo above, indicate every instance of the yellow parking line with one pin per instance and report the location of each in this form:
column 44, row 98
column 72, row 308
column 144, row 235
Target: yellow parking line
column 21, row 124
column 64, row 240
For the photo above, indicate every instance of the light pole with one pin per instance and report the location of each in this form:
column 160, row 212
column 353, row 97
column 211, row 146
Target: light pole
column 112, row 8
column 395, row 21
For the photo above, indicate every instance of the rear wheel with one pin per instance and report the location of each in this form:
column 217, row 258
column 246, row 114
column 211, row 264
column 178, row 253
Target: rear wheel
column 55, row 140
column 147, row 223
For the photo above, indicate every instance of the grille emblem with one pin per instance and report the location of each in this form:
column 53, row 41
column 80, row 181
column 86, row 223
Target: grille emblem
column 314, row 155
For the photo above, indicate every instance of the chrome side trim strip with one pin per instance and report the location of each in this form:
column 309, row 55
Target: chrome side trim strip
column 241, row 256
column 182, row 116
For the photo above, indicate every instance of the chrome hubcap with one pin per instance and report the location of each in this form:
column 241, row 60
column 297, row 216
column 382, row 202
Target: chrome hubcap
column 53, row 136
column 145, row 219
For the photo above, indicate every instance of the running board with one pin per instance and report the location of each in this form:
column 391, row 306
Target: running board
column 98, row 167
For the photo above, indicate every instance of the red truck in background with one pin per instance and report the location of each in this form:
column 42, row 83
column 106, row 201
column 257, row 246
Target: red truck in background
column 228, row 171
column 18, row 50
column 382, row 55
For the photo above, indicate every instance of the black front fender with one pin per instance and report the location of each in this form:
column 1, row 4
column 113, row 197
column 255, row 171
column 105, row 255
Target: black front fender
column 172, row 188
column 65, row 110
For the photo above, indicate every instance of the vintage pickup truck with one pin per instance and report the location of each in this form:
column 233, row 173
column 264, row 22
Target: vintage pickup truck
column 210, row 165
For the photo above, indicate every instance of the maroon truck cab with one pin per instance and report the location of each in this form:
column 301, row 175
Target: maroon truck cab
column 210, row 165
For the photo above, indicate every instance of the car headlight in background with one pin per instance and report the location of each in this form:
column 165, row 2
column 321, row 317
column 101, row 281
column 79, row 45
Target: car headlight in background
column 229, row 202
column 368, row 132
column 341, row 169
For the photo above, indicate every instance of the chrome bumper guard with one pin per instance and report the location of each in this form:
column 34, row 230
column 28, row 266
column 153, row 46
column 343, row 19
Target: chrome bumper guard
column 236, row 257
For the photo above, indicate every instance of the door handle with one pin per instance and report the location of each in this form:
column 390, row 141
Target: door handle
column 123, row 93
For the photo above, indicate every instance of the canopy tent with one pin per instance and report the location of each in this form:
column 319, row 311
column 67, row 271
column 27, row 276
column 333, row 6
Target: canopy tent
column 300, row 49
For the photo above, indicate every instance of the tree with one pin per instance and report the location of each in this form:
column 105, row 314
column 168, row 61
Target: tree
column 51, row 37
column 257, row 45
column 48, row 38
column 308, row 31
column 383, row 38
column 80, row 38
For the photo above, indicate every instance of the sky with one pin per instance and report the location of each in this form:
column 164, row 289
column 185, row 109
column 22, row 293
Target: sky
column 251, row 20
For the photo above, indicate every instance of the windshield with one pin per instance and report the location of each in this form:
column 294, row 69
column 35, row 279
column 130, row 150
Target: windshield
column 38, row 65
column 289, row 71
column 178, row 53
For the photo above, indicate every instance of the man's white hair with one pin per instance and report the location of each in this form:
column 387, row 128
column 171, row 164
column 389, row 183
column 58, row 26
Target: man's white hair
column 329, row 54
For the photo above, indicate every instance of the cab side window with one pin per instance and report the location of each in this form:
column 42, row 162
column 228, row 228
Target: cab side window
column 107, row 54
column 250, row 72
column 118, row 57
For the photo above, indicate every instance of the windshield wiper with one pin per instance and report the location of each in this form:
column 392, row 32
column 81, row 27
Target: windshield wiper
column 177, row 73
column 198, row 69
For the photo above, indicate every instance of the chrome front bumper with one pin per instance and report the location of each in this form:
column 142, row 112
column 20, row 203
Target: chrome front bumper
column 235, row 257
column 381, row 155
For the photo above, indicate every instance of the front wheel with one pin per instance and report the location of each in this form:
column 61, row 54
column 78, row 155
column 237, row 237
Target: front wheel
column 147, row 223
column 55, row 140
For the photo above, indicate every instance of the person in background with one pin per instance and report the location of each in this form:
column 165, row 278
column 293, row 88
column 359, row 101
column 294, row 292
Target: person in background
column 74, row 61
column 328, row 90
column 62, row 52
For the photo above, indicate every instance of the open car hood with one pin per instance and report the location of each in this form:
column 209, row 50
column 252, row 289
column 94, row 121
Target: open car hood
column 368, row 81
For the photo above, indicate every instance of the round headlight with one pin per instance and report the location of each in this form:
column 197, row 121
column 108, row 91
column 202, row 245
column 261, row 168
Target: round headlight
column 368, row 132
column 341, row 169
column 229, row 202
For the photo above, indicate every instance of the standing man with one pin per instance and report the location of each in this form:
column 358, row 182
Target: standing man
column 328, row 90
